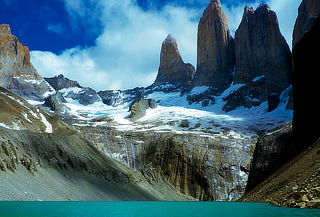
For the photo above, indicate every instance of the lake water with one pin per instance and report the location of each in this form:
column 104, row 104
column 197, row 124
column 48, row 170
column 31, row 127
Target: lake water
column 148, row 209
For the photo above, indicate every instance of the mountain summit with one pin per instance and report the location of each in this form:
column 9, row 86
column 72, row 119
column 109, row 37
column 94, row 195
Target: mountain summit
column 17, row 74
column 215, row 49
column 263, row 60
column 172, row 68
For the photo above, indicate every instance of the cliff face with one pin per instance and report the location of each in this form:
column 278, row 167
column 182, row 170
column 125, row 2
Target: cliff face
column 305, row 81
column 48, row 154
column 16, row 71
column 213, row 168
column 263, row 60
column 215, row 54
column 309, row 10
column 269, row 155
column 172, row 69
column 296, row 183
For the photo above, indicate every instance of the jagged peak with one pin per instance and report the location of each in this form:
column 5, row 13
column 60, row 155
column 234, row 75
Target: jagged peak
column 60, row 76
column 214, row 11
column 215, row 3
column 248, row 9
column 263, row 8
column 5, row 29
column 170, row 40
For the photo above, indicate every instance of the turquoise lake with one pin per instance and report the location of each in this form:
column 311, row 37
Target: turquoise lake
column 148, row 209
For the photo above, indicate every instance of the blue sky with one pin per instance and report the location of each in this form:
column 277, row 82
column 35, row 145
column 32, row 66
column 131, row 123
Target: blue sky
column 115, row 44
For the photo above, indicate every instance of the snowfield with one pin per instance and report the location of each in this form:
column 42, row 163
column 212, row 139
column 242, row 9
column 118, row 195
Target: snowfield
column 174, row 113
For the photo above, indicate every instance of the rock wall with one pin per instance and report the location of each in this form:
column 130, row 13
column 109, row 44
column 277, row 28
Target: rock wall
column 309, row 10
column 305, row 95
column 270, row 154
column 204, row 167
column 263, row 60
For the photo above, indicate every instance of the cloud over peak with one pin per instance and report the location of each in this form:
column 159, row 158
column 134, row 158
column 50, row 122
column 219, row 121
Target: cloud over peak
column 127, row 53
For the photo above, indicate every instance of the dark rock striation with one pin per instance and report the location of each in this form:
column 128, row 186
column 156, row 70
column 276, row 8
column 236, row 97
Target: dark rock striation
column 172, row 69
column 17, row 74
column 215, row 53
column 55, row 102
column 309, row 10
column 263, row 57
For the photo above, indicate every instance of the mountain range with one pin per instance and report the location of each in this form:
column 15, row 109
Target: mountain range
column 216, row 131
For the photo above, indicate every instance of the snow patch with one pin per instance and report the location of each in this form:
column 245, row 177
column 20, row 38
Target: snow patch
column 258, row 78
column 198, row 90
column 46, row 123
column 75, row 90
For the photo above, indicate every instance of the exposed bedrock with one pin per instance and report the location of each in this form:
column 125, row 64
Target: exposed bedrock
column 139, row 108
column 72, row 89
column 305, row 93
column 60, row 82
column 309, row 11
column 262, row 55
column 215, row 53
column 17, row 74
column 172, row 69
column 55, row 103
column 270, row 154
column 204, row 167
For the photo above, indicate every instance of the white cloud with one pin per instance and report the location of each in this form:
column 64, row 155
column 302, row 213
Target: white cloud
column 127, row 53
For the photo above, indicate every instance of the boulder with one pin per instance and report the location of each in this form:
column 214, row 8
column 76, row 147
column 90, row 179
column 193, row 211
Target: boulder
column 139, row 108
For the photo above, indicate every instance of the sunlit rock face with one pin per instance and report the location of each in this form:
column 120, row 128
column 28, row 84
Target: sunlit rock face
column 215, row 53
column 16, row 71
column 263, row 60
column 309, row 10
column 172, row 69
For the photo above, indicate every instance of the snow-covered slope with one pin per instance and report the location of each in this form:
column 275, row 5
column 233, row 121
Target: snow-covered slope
column 176, row 113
